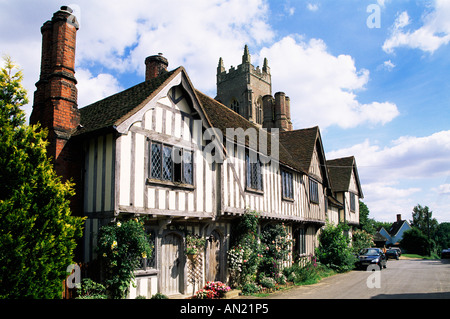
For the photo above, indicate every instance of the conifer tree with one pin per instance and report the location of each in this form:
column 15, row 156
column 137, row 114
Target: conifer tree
column 37, row 232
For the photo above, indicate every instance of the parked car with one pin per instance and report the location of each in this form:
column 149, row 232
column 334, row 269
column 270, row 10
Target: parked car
column 392, row 253
column 371, row 256
column 445, row 253
column 399, row 251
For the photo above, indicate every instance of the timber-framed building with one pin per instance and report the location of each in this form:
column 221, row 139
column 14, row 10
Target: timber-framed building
column 149, row 151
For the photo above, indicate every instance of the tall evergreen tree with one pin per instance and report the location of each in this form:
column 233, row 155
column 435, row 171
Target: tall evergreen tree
column 37, row 232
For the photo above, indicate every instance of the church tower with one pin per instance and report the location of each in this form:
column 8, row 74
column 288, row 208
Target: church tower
column 242, row 88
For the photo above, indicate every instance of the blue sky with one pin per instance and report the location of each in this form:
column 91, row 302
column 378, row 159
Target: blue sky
column 381, row 94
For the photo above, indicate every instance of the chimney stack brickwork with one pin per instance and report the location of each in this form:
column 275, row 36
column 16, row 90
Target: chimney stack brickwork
column 55, row 99
column 155, row 65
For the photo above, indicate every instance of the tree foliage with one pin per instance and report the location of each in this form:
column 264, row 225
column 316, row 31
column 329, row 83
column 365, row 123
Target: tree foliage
column 37, row 232
column 414, row 241
column 334, row 248
column 422, row 218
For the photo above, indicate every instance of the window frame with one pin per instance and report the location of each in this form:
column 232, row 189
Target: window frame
column 287, row 185
column 249, row 174
column 352, row 202
column 177, row 168
column 313, row 191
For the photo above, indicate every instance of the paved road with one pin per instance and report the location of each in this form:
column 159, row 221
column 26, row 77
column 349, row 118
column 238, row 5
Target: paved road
column 404, row 278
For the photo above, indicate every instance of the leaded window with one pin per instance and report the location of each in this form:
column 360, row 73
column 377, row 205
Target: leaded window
column 352, row 202
column 254, row 171
column 167, row 163
column 155, row 170
column 287, row 185
column 313, row 191
column 170, row 163
column 188, row 168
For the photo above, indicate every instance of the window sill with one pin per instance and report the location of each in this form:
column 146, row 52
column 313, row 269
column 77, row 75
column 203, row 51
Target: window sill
column 158, row 182
column 254, row 191
column 147, row 272
column 287, row 199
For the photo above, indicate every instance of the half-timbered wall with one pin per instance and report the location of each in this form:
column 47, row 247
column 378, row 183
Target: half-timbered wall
column 99, row 175
column 269, row 202
column 169, row 123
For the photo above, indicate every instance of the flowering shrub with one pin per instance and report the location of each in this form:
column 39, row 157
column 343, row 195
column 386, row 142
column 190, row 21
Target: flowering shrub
column 212, row 290
column 121, row 246
column 244, row 256
column 277, row 248
column 236, row 258
column 267, row 282
column 194, row 244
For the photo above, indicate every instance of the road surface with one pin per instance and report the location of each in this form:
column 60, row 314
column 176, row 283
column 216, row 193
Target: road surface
column 404, row 278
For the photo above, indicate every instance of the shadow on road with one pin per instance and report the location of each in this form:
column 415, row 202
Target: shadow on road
column 432, row 295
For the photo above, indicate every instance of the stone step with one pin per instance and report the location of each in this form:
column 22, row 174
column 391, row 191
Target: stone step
column 232, row 294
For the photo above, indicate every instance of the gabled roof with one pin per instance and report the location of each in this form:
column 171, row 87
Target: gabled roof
column 396, row 226
column 301, row 145
column 340, row 171
column 111, row 111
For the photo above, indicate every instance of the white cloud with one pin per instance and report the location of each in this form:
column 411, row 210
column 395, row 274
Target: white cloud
column 94, row 88
column 117, row 38
column 443, row 189
column 399, row 175
column 407, row 157
column 312, row 7
column 388, row 65
column 192, row 34
column 322, row 87
column 434, row 33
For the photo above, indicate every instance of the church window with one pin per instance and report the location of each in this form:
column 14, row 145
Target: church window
column 235, row 105
column 259, row 112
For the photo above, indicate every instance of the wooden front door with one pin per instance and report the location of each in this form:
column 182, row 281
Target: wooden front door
column 172, row 265
column 213, row 255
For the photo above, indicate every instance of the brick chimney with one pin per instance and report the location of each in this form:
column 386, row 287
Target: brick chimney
column 399, row 217
column 277, row 112
column 155, row 65
column 55, row 98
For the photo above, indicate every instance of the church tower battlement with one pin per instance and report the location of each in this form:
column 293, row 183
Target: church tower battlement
column 248, row 91
column 242, row 88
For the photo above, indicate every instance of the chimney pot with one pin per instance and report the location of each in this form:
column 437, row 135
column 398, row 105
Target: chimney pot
column 155, row 65
column 67, row 8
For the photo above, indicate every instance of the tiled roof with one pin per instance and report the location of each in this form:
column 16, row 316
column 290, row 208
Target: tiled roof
column 295, row 148
column 222, row 117
column 340, row 172
column 110, row 111
column 301, row 144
